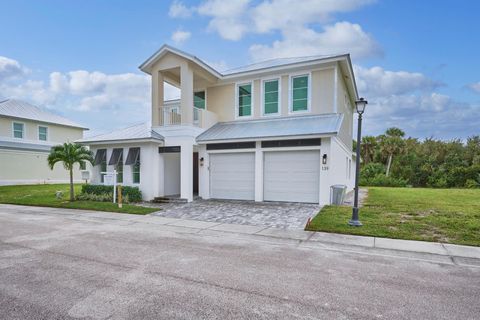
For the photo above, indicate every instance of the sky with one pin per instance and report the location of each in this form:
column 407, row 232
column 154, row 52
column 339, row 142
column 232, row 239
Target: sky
column 414, row 61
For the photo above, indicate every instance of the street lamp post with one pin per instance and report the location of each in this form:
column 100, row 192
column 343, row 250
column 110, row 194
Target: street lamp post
column 360, row 106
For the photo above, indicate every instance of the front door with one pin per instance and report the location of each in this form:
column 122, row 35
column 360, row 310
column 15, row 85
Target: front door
column 195, row 172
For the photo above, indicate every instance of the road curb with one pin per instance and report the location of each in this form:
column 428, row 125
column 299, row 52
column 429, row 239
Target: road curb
column 462, row 252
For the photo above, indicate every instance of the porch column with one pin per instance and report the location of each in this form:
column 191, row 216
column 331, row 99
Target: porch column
column 186, row 88
column 157, row 97
column 186, row 170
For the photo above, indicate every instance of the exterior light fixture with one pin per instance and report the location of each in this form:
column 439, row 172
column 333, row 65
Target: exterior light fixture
column 324, row 159
column 360, row 106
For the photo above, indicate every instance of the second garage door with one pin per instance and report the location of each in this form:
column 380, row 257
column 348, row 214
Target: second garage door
column 292, row 176
column 232, row 176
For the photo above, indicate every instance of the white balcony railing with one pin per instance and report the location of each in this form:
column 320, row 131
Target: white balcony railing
column 171, row 115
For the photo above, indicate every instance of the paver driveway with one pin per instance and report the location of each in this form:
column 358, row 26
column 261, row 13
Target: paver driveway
column 269, row 214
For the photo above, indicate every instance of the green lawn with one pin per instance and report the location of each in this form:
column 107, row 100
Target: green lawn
column 443, row 215
column 43, row 195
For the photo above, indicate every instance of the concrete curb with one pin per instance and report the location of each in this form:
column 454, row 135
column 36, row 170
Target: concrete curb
column 463, row 253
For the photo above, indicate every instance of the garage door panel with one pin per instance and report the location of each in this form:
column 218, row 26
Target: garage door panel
column 232, row 176
column 292, row 176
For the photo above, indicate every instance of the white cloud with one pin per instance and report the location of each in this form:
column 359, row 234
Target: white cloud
column 341, row 37
column 179, row 10
column 229, row 18
column 422, row 116
column 475, row 87
column 305, row 26
column 10, row 68
column 378, row 82
column 279, row 14
column 180, row 36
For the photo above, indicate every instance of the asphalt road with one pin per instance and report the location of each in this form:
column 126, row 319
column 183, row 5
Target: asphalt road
column 64, row 264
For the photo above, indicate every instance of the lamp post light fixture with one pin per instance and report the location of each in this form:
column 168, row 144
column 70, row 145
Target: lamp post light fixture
column 360, row 106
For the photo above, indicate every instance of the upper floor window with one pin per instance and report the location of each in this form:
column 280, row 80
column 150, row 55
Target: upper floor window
column 270, row 97
column 199, row 99
column 18, row 130
column 42, row 133
column 244, row 103
column 300, row 93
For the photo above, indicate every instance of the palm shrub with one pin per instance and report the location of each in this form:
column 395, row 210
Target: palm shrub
column 69, row 154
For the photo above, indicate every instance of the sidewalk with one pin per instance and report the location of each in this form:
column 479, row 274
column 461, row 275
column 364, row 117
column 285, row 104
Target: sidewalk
column 419, row 250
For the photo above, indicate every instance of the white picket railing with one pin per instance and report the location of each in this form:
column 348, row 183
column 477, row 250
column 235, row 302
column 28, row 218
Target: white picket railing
column 171, row 115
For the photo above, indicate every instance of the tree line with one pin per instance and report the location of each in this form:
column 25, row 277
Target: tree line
column 390, row 159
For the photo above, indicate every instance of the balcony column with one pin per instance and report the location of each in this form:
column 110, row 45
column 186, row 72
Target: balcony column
column 157, row 97
column 186, row 88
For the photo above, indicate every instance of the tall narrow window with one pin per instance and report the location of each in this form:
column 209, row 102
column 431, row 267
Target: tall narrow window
column 42, row 133
column 101, row 159
column 136, row 171
column 270, row 97
column 133, row 160
column 103, row 168
column 245, row 100
column 119, row 168
column 18, row 130
column 300, row 93
column 199, row 99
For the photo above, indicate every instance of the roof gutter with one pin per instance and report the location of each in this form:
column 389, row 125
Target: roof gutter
column 115, row 141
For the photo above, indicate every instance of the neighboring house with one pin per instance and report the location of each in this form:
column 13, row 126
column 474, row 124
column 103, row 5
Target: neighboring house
column 27, row 134
column 279, row 130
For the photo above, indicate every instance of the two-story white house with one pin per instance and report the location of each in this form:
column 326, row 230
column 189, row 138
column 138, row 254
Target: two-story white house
column 27, row 133
column 279, row 130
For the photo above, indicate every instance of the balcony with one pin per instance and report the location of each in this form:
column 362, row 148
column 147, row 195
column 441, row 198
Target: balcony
column 171, row 115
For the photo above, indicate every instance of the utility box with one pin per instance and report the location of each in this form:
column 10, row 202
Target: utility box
column 337, row 194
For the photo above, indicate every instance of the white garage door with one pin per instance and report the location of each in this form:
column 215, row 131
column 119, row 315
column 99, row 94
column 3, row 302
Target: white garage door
column 291, row 176
column 232, row 176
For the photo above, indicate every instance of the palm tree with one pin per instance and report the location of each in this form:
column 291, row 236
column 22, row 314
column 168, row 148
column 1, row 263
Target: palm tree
column 369, row 145
column 391, row 143
column 69, row 154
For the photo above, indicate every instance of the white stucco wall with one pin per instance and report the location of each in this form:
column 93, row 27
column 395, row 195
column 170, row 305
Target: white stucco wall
column 172, row 173
column 30, row 167
column 342, row 165
column 151, row 168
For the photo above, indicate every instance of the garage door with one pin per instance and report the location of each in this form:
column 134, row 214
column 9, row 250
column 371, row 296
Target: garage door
column 232, row 176
column 291, row 176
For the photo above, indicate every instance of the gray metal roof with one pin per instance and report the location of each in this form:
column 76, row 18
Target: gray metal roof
column 24, row 110
column 136, row 132
column 277, row 63
column 325, row 124
column 251, row 67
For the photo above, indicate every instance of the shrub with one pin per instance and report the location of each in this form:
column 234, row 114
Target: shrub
column 470, row 183
column 106, row 197
column 381, row 180
column 371, row 170
column 130, row 194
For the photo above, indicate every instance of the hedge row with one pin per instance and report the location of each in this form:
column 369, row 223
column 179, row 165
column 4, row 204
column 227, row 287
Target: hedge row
column 133, row 193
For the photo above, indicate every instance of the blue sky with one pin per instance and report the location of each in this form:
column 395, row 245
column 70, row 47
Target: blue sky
column 414, row 60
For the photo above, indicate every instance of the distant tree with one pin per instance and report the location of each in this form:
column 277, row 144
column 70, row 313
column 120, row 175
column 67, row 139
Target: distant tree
column 69, row 154
column 391, row 143
column 427, row 163
column 368, row 146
